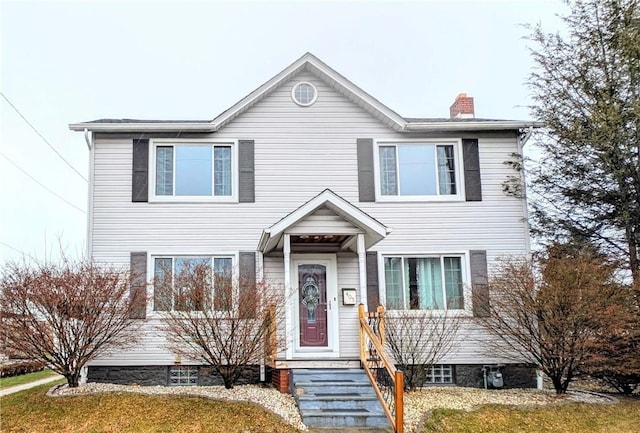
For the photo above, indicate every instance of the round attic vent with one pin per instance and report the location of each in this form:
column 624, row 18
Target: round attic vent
column 304, row 94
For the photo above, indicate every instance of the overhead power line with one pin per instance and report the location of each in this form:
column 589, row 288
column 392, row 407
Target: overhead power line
column 19, row 251
column 41, row 184
column 41, row 136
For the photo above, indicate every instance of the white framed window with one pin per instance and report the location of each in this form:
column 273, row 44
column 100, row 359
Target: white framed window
column 192, row 283
column 424, row 170
column 415, row 282
column 440, row 374
column 304, row 94
column 193, row 170
column 183, row 375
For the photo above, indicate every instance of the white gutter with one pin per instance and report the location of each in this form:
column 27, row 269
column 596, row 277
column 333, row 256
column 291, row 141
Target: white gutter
column 143, row 127
column 471, row 125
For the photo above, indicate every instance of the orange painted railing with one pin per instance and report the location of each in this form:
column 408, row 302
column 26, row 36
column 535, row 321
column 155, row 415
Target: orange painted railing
column 270, row 337
column 387, row 381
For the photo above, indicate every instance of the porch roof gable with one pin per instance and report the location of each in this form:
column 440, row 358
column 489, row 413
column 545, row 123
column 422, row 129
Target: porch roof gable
column 373, row 230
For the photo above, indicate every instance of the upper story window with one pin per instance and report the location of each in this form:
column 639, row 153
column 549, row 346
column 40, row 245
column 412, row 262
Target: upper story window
column 424, row 283
column 304, row 94
column 194, row 170
column 418, row 170
column 193, row 283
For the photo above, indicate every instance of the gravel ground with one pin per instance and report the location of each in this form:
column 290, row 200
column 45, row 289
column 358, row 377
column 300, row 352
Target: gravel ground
column 418, row 404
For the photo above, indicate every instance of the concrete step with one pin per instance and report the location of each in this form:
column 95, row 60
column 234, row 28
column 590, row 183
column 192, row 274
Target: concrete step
column 344, row 418
column 344, row 401
column 343, row 375
column 332, row 387
column 337, row 398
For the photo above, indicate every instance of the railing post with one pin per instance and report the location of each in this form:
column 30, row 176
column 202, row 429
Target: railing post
column 399, row 402
column 270, row 336
column 363, row 358
column 380, row 312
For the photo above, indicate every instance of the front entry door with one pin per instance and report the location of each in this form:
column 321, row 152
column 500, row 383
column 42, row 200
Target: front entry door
column 315, row 315
column 312, row 284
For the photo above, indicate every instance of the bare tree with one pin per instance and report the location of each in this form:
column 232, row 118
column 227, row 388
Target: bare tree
column 552, row 316
column 214, row 318
column 418, row 340
column 66, row 314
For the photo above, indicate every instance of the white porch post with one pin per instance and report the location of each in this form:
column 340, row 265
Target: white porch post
column 362, row 268
column 289, row 295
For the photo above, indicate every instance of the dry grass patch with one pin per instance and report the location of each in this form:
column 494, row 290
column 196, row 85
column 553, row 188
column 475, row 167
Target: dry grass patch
column 33, row 411
column 559, row 418
column 7, row 382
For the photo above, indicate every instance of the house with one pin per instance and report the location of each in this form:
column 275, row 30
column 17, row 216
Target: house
column 313, row 182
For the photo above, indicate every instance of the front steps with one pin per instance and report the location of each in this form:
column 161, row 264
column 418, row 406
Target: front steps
column 337, row 398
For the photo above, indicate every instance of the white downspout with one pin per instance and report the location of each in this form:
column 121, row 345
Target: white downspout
column 90, row 144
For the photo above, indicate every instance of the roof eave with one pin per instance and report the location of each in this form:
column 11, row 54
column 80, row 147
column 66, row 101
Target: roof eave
column 143, row 127
column 470, row 126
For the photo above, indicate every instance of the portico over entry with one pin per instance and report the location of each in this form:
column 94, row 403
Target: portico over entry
column 321, row 244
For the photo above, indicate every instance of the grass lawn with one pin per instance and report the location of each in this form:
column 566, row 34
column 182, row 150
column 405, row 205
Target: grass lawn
column 6, row 382
column 623, row 417
column 33, row 411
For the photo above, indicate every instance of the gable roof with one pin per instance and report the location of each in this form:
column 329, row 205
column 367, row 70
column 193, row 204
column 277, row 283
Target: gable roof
column 308, row 62
column 373, row 230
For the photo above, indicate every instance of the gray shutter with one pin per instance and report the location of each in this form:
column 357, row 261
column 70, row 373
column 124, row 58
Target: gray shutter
column 246, row 165
column 140, row 171
column 248, row 297
column 479, row 282
column 471, row 158
column 138, row 288
column 373, row 291
column 366, row 180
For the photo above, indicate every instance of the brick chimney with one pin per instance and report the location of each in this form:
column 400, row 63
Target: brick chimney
column 462, row 107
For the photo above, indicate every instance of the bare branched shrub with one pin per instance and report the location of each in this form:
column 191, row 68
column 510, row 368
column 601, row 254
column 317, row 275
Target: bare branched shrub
column 615, row 355
column 66, row 314
column 418, row 340
column 217, row 319
column 552, row 316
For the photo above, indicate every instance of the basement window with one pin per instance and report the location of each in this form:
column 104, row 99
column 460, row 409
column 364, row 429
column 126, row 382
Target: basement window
column 183, row 375
column 440, row 374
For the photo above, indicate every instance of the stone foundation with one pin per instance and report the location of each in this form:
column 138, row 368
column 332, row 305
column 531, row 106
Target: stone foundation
column 123, row 375
column 208, row 376
column 159, row 375
column 513, row 375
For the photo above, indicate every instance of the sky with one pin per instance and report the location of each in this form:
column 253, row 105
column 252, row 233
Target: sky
column 67, row 62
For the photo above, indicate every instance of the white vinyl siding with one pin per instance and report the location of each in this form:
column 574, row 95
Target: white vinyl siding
column 299, row 152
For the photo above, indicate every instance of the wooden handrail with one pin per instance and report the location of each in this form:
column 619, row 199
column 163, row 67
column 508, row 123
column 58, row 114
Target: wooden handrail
column 395, row 415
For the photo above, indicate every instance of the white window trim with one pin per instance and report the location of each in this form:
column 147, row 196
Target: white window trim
column 467, row 311
column 235, row 170
column 151, row 312
column 293, row 94
column 457, row 153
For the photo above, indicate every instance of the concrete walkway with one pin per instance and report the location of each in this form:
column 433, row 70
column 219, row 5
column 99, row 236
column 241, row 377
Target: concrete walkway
column 24, row 386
